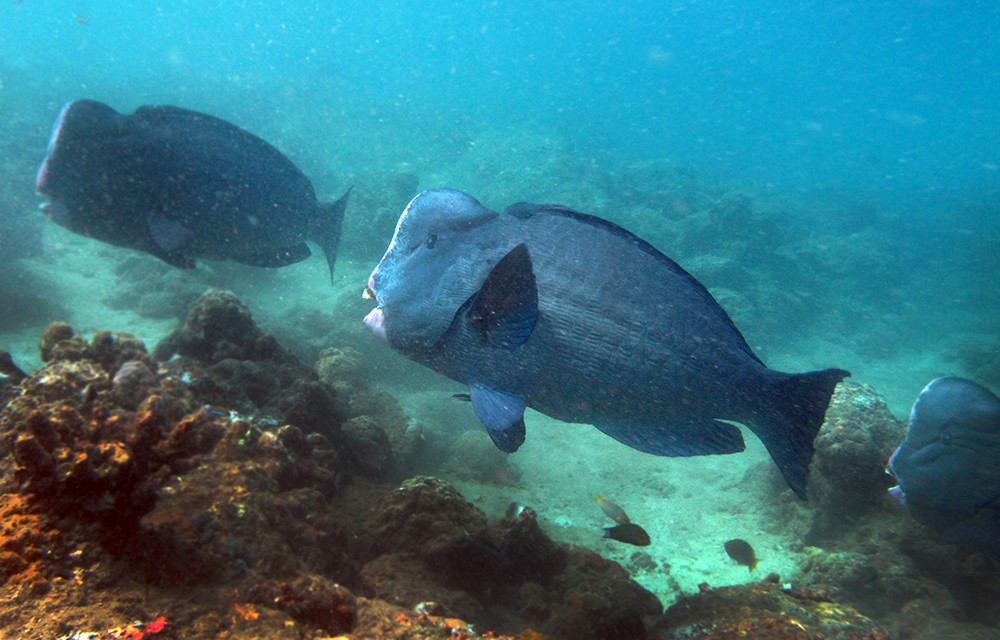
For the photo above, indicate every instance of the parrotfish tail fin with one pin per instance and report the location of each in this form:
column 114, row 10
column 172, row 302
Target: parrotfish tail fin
column 326, row 230
column 791, row 417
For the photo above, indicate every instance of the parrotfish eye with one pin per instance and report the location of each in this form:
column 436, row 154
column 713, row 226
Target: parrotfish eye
column 431, row 241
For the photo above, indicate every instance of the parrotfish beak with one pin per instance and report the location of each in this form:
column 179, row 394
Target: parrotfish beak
column 375, row 320
column 369, row 293
column 55, row 211
column 898, row 495
column 896, row 492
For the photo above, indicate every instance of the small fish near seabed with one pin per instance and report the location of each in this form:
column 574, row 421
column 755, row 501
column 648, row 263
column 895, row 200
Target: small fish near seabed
column 544, row 307
column 612, row 510
column 625, row 530
column 182, row 185
column 948, row 466
column 742, row 553
column 629, row 533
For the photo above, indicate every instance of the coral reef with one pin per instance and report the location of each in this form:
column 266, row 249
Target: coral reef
column 124, row 487
column 221, row 466
column 765, row 609
column 503, row 572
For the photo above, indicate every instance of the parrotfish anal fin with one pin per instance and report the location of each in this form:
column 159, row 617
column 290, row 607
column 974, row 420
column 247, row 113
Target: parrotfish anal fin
column 275, row 258
column 505, row 310
column 696, row 438
column 502, row 414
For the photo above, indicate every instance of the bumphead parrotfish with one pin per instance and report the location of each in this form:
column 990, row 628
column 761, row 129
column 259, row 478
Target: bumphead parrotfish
column 571, row 315
column 948, row 466
column 181, row 185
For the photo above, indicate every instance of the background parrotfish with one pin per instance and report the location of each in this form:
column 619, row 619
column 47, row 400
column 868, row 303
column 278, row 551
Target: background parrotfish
column 948, row 466
column 181, row 185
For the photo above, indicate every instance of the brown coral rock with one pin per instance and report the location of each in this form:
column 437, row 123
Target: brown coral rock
column 764, row 611
column 848, row 476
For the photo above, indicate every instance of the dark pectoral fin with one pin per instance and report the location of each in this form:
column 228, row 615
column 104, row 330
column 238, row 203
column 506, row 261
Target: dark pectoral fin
column 502, row 414
column 505, row 310
column 169, row 235
column 169, row 240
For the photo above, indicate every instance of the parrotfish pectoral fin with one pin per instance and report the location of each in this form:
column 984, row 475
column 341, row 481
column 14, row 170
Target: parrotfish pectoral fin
column 789, row 418
column 505, row 310
column 502, row 414
column 169, row 240
column 695, row 438
column 169, row 235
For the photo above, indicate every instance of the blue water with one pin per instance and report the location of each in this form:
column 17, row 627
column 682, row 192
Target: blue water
column 891, row 98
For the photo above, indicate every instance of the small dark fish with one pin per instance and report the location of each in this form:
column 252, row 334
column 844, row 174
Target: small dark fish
column 581, row 320
column 81, row 19
column 182, row 185
column 612, row 510
column 629, row 532
column 948, row 466
column 742, row 553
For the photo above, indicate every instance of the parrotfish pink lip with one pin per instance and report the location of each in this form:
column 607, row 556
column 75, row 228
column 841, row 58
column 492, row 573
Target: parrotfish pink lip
column 375, row 321
column 54, row 210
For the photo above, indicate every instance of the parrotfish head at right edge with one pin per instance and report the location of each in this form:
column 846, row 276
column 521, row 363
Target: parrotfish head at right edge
column 544, row 307
column 948, row 466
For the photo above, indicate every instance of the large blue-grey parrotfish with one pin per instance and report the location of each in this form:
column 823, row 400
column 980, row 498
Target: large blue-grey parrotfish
column 571, row 315
column 948, row 466
column 181, row 185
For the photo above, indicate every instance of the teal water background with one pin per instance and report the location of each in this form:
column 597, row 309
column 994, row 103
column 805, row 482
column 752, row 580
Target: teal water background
column 892, row 98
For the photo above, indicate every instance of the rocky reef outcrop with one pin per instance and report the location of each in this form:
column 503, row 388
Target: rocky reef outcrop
column 219, row 466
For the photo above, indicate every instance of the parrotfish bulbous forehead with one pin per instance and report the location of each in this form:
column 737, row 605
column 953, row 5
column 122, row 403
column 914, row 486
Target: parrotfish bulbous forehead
column 431, row 266
column 436, row 210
